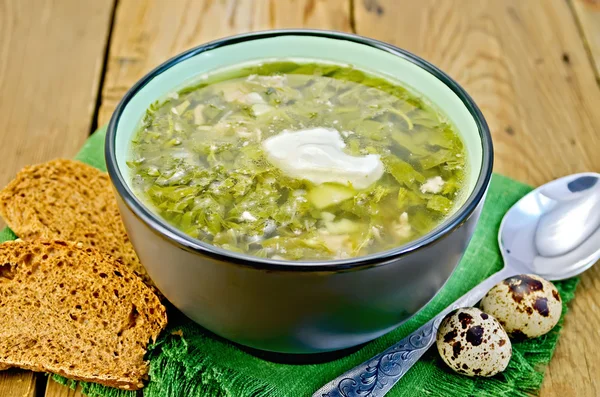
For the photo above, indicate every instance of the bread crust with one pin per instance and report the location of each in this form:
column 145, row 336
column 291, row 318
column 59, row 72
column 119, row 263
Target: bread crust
column 70, row 310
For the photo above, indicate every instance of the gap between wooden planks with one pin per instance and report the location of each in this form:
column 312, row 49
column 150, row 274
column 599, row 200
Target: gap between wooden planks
column 510, row 55
column 588, row 16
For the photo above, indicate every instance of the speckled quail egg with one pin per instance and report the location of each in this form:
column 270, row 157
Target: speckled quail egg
column 473, row 343
column 527, row 306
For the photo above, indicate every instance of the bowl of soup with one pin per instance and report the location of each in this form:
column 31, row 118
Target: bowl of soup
column 299, row 191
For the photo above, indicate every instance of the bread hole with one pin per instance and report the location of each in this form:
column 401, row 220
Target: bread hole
column 116, row 292
column 73, row 292
column 131, row 320
column 45, row 256
column 151, row 310
column 104, row 323
column 78, row 307
column 8, row 271
column 103, row 275
column 27, row 258
column 60, row 263
column 117, row 273
column 95, row 294
column 115, row 354
column 22, row 194
column 78, row 336
column 73, row 317
column 72, row 366
column 93, row 243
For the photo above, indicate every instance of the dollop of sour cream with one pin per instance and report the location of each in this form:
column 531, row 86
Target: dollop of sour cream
column 316, row 154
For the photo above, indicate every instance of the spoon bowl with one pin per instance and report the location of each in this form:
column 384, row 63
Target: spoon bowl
column 554, row 232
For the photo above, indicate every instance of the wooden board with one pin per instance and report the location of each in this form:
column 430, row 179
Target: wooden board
column 588, row 15
column 54, row 389
column 526, row 66
column 17, row 383
column 523, row 61
column 51, row 56
column 148, row 33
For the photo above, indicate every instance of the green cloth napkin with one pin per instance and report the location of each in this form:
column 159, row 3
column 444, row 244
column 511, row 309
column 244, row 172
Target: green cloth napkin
column 189, row 361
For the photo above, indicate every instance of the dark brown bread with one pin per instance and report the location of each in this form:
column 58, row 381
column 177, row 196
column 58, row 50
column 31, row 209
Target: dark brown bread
column 72, row 201
column 72, row 311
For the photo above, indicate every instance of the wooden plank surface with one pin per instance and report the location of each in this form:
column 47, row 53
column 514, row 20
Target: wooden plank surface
column 51, row 56
column 524, row 62
column 526, row 66
column 148, row 33
column 17, row 383
column 588, row 15
column 54, row 389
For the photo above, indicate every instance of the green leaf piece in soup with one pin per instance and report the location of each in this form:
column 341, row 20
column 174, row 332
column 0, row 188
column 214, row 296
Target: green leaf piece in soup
column 197, row 160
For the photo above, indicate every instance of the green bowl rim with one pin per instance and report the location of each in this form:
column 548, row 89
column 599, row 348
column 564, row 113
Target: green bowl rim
column 180, row 239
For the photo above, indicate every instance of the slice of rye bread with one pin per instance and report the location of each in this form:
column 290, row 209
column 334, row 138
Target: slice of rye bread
column 72, row 201
column 72, row 311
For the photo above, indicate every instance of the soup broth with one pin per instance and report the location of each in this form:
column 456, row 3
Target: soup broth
column 201, row 160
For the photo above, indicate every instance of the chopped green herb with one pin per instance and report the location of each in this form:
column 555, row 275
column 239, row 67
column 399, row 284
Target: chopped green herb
column 198, row 161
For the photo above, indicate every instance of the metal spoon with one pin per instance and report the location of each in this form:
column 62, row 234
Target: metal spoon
column 553, row 232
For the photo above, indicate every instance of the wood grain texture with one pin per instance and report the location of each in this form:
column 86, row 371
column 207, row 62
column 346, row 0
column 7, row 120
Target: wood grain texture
column 588, row 15
column 54, row 389
column 17, row 383
column 524, row 62
column 526, row 66
column 51, row 56
column 148, row 33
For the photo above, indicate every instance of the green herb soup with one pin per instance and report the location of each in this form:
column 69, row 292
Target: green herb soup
column 215, row 161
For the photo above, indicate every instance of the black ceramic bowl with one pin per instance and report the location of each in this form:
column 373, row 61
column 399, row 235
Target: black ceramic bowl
column 300, row 307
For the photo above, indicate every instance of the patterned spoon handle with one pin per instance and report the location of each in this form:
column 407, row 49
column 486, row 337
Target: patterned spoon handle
column 376, row 376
